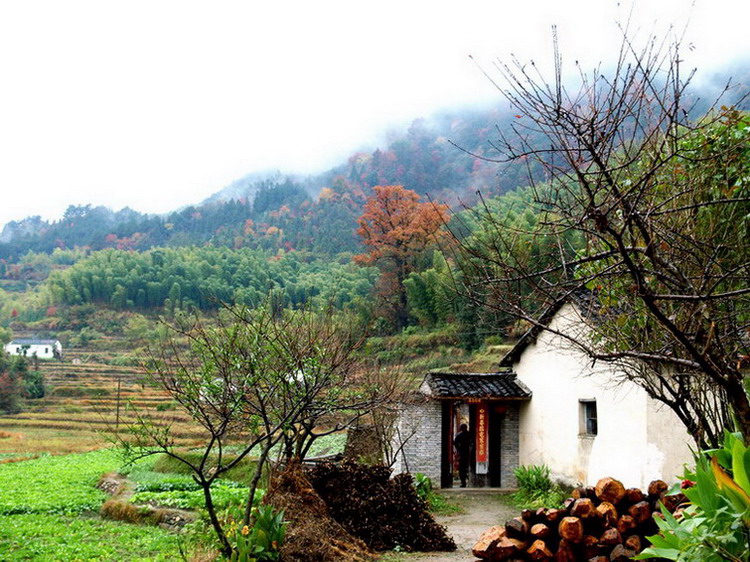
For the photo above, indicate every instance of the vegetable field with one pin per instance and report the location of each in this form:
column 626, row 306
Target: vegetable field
column 46, row 513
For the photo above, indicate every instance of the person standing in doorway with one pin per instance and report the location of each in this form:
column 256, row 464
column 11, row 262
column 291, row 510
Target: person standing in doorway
column 462, row 442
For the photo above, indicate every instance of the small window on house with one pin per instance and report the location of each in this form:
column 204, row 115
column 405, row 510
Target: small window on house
column 588, row 417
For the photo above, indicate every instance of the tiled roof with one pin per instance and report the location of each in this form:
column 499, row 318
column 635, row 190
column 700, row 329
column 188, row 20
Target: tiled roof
column 32, row 341
column 477, row 385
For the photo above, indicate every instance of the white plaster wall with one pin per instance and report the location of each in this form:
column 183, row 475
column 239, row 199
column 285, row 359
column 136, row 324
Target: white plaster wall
column 671, row 445
column 42, row 351
column 624, row 448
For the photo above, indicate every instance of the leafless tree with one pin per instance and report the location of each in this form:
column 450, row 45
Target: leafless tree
column 251, row 379
column 658, row 202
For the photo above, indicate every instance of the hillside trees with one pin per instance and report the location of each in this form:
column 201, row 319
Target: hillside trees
column 181, row 278
column 662, row 202
column 397, row 228
column 17, row 382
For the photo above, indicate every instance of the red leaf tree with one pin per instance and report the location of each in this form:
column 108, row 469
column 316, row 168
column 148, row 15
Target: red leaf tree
column 397, row 228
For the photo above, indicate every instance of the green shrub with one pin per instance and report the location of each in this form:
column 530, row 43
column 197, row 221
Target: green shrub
column 716, row 524
column 437, row 503
column 164, row 406
column 535, row 489
column 423, row 484
column 33, row 382
column 493, row 340
column 261, row 542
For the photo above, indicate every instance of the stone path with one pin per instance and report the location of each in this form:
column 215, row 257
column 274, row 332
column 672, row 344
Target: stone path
column 480, row 510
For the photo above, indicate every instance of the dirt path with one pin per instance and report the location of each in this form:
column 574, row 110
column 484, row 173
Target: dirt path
column 480, row 510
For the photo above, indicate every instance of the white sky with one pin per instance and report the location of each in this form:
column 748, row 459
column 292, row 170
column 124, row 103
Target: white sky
column 156, row 104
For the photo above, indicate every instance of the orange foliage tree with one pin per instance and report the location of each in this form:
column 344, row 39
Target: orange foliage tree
column 397, row 228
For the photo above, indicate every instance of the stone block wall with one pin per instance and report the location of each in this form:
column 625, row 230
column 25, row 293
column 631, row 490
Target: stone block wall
column 509, row 457
column 420, row 427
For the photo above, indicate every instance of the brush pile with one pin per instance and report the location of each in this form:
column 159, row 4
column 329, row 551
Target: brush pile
column 605, row 523
column 312, row 534
column 384, row 512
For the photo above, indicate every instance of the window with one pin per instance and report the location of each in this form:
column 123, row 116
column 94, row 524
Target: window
column 588, row 417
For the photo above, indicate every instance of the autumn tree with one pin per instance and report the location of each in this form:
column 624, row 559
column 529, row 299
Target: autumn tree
column 397, row 228
column 661, row 200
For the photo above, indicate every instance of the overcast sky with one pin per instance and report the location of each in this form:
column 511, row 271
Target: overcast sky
column 157, row 104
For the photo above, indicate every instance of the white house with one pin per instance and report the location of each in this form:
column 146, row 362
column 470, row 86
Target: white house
column 30, row 347
column 585, row 420
column 549, row 405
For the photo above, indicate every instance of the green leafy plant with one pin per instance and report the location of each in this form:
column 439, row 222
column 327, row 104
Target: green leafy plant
column 437, row 503
column 535, row 488
column 74, row 478
column 423, row 484
column 716, row 524
column 223, row 495
column 260, row 542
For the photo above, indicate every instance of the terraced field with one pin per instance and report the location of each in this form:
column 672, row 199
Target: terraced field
column 86, row 400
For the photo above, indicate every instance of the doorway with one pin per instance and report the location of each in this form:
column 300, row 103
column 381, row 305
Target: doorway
column 481, row 474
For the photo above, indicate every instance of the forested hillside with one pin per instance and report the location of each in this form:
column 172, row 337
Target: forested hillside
column 316, row 213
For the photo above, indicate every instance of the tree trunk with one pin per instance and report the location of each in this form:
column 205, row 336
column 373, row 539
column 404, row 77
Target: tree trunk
column 226, row 548
column 256, row 478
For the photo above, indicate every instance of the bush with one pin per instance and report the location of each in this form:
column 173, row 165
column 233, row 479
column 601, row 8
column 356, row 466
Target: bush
column 164, row 406
column 436, row 502
column 535, row 489
column 423, row 485
column 261, row 542
column 716, row 524
column 33, row 382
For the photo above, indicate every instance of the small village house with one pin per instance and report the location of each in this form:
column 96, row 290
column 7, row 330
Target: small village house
column 34, row 347
column 548, row 405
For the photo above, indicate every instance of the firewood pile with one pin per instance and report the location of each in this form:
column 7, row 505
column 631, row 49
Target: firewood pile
column 605, row 523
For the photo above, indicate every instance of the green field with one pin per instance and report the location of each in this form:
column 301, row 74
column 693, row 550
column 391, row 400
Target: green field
column 49, row 511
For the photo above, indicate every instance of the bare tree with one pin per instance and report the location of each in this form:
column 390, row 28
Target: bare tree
column 659, row 204
column 250, row 379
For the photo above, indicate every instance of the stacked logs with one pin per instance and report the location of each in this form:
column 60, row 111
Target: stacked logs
column 605, row 523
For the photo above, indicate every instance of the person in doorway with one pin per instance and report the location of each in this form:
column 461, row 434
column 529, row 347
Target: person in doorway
column 462, row 442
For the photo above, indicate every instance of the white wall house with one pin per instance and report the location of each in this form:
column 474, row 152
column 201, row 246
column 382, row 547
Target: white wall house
column 30, row 347
column 585, row 421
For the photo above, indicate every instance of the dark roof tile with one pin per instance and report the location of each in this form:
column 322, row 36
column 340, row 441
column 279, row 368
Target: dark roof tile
column 476, row 385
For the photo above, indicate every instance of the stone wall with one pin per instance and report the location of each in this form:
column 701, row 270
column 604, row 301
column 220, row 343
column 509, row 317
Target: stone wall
column 509, row 454
column 420, row 428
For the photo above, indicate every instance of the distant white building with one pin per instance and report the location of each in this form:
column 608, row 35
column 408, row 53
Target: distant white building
column 30, row 347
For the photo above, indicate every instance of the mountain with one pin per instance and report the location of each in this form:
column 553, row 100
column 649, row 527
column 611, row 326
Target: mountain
column 446, row 157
